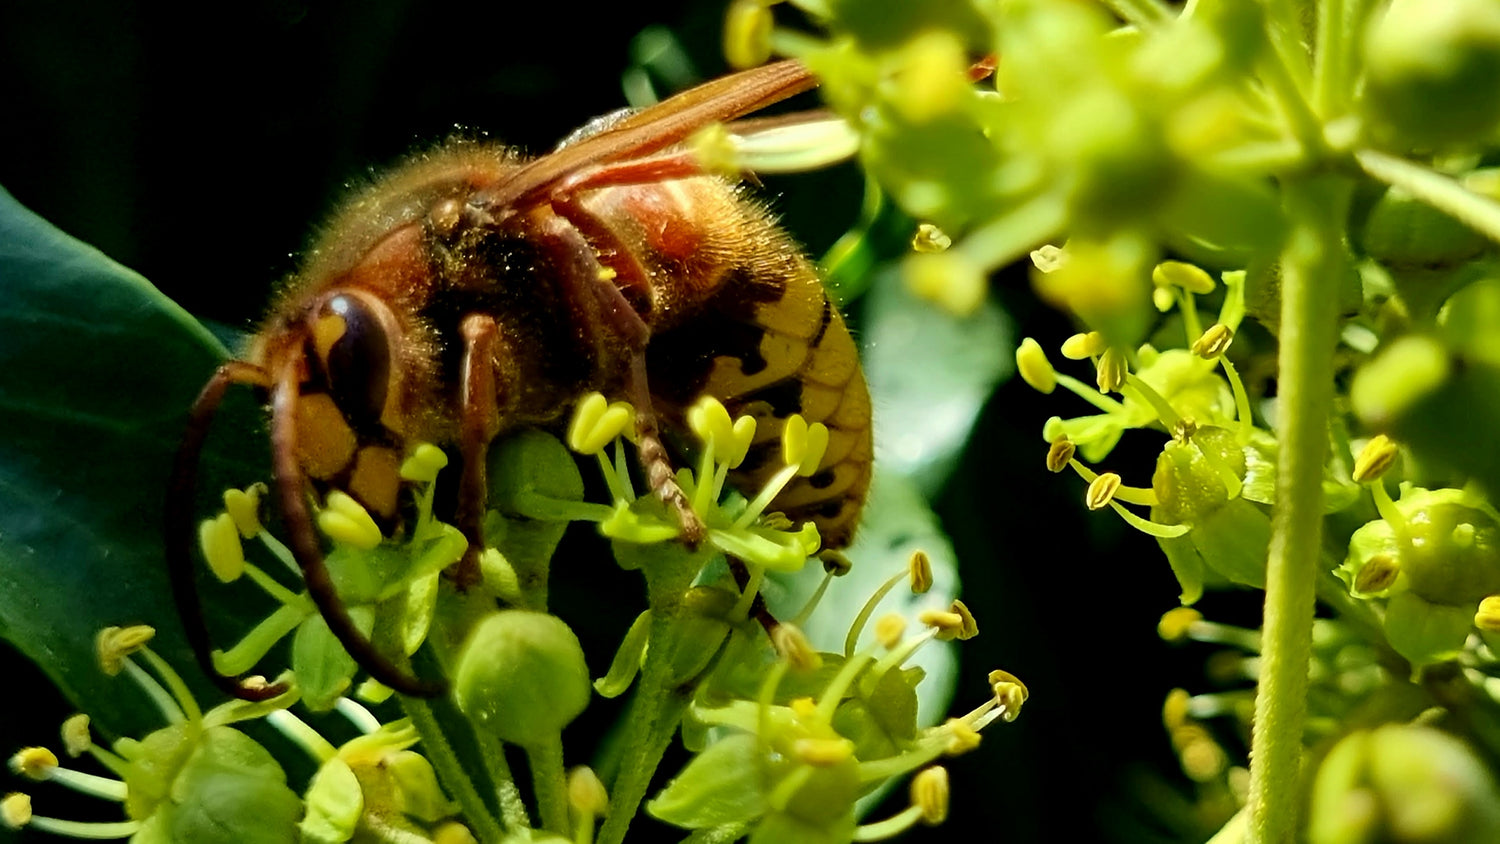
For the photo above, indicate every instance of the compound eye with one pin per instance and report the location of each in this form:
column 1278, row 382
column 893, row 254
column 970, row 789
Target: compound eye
column 355, row 351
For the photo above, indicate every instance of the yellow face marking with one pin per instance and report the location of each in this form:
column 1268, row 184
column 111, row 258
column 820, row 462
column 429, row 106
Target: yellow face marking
column 325, row 442
column 327, row 331
column 376, row 479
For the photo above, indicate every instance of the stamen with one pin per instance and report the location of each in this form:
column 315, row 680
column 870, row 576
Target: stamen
column 1112, row 371
column 1213, row 342
column 299, row 733
column 919, row 570
column 1148, row 394
column 1084, row 346
column 344, row 520
column 1060, row 454
column 1035, row 369
column 889, row 629
column 929, row 791
column 1487, row 617
column 219, row 540
column 1380, row 571
column 77, row 740
column 822, row 752
column 363, row 719
column 1375, row 459
column 243, row 505
column 851, row 640
column 258, row 642
column 930, row 238
column 792, row 645
column 423, row 465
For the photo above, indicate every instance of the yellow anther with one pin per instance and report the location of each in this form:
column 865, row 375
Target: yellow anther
column 951, row 280
column 836, row 563
column 1201, row 757
column 929, row 792
column 962, row 738
column 1162, row 298
column 113, row 644
column 1185, row 428
column 743, row 435
column 949, row 624
column 424, row 463
column 1214, row 341
column 1179, row 274
column 1487, row 618
column 930, row 238
column 709, row 420
column 219, row 540
column 889, row 629
column 34, row 763
column 747, row 33
column 803, row 445
column 1084, row 346
column 1102, row 491
column 1047, row 258
column 15, row 810
column 1375, row 459
column 1009, row 692
column 243, row 505
column 969, row 627
column 345, row 520
column 1174, row 710
column 822, row 753
column 1175, row 623
column 596, row 423
column 586, row 792
column 1060, row 454
column 791, row 643
column 1377, row 574
column 1112, row 370
column 453, row 832
column 76, row 736
column 714, row 149
column 804, row 708
column 1034, row 367
column 919, row 572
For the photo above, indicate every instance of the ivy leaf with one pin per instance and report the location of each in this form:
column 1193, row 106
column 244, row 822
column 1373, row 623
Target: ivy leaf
column 930, row 373
column 97, row 370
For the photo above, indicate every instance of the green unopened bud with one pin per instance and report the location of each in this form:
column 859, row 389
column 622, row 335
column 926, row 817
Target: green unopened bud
column 1430, row 67
column 1214, row 341
column 230, row 790
column 1487, row 617
column 1189, row 277
column 522, row 676
column 1374, row 459
column 930, row 238
column 1112, row 370
column 1034, row 367
column 1403, row 783
column 1401, row 375
column 1060, row 454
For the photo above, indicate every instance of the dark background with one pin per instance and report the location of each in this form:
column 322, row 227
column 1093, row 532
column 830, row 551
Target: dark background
column 202, row 151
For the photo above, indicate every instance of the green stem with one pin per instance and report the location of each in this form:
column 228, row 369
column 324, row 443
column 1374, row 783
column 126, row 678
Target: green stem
column 1441, row 192
column 551, row 784
column 513, row 812
column 1312, row 264
column 643, row 748
column 450, row 771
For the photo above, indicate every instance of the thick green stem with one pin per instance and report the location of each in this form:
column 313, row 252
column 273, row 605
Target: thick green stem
column 450, row 771
column 551, row 785
column 1313, row 265
column 654, row 712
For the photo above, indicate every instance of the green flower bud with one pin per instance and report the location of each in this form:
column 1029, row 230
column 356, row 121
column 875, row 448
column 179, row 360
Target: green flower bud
column 1402, row 231
column 1398, row 378
column 522, row 676
column 1403, row 783
column 1447, row 550
column 1430, row 71
column 230, row 789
